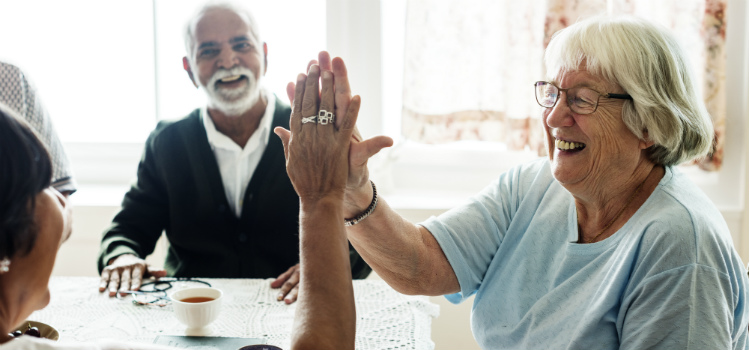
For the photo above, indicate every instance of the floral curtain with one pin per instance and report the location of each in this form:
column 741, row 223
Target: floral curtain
column 469, row 65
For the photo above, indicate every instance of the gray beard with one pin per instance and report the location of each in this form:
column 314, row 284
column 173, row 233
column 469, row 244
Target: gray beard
column 233, row 103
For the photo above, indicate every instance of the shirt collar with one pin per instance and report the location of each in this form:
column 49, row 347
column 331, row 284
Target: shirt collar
column 259, row 137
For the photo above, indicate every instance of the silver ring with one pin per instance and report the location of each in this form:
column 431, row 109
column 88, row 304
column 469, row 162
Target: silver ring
column 310, row 119
column 325, row 117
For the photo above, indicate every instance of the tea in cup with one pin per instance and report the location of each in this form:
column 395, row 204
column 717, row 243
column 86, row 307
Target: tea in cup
column 196, row 307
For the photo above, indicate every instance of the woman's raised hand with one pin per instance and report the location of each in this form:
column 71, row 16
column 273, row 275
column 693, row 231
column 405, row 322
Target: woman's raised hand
column 316, row 147
column 358, row 190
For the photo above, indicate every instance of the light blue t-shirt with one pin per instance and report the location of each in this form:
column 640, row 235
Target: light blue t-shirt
column 668, row 279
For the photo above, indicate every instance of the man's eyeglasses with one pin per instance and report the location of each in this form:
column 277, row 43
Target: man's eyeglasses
column 155, row 292
column 581, row 100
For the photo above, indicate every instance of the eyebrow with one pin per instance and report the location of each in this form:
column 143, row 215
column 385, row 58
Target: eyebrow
column 240, row 38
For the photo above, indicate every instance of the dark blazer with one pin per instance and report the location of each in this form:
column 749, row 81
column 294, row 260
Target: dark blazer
column 179, row 190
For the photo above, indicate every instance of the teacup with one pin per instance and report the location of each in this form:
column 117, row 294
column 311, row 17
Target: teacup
column 196, row 307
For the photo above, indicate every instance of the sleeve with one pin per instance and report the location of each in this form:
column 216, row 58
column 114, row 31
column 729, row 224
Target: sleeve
column 683, row 308
column 471, row 234
column 36, row 115
column 144, row 213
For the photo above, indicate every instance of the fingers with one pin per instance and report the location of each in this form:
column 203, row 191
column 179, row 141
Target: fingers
column 125, row 281
column 282, row 278
column 310, row 97
column 295, row 121
column 284, row 135
column 325, row 60
column 104, row 281
column 114, row 282
column 289, row 286
column 290, row 93
column 137, row 277
column 341, row 86
column 359, row 153
column 309, row 64
column 292, row 296
column 326, row 94
column 350, row 118
column 157, row 273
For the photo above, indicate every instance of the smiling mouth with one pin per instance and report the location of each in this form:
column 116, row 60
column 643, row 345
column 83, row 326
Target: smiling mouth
column 230, row 79
column 569, row 146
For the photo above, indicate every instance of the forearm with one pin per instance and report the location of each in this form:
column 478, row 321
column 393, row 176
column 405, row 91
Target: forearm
column 403, row 254
column 325, row 316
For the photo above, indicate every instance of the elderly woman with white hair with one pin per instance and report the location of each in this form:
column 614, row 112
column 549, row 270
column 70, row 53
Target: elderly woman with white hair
column 605, row 244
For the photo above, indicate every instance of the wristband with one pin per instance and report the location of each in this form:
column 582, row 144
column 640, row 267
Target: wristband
column 368, row 211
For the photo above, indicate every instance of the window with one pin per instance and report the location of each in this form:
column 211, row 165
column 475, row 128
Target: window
column 107, row 71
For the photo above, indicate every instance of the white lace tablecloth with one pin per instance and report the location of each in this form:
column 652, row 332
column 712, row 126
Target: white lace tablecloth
column 385, row 318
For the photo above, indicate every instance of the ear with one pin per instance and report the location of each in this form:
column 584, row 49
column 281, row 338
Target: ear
column 645, row 141
column 265, row 58
column 186, row 66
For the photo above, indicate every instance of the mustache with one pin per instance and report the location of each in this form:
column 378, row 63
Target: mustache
column 224, row 73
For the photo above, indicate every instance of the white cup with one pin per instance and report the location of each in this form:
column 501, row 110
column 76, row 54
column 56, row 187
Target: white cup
column 196, row 315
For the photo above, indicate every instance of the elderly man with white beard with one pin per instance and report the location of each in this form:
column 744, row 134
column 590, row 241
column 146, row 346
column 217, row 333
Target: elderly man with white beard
column 215, row 181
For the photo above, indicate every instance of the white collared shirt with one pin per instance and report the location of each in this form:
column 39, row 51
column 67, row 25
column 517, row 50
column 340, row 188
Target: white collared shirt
column 237, row 164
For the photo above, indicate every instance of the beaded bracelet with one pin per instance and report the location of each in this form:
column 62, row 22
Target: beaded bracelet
column 368, row 211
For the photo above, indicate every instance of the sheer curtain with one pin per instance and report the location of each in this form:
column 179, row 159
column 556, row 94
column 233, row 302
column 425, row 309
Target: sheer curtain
column 469, row 65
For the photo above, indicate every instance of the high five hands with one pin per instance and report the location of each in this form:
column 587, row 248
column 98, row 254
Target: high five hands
column 318, row 152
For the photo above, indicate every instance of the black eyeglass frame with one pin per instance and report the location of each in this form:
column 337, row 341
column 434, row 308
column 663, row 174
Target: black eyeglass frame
column 559, row 89
column 157, row 290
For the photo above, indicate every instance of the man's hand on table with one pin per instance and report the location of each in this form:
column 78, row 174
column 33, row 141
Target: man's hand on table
column 289, row 283
column 126, row 272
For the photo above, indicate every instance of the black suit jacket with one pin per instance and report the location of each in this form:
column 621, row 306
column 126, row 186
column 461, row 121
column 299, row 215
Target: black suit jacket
column 179, row 190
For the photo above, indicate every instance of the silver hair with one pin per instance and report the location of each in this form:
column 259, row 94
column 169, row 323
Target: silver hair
column 240, row 10
column 648, row 63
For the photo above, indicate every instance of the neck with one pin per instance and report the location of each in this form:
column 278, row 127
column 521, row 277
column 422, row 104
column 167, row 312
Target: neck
column 239, row 128
column 600, row 215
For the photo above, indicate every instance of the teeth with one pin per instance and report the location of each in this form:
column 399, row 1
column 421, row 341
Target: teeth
column 565, row 145
column 230, row 79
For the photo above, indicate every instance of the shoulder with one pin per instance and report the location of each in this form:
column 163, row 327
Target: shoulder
column 681, row 226
column 8, row 69
column 168, row 130
column 533, row 177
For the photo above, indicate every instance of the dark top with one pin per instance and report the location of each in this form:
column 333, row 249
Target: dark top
column 179, row 190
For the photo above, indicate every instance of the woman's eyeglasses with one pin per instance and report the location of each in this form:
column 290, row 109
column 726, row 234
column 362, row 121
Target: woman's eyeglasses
column 581, row 100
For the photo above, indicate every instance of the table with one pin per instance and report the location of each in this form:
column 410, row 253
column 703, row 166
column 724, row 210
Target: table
column 386, row 319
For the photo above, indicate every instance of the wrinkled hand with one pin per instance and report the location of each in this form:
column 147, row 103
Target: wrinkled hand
column 358, row 190
column 289, row 284
column 317, row 154
column 126, row 273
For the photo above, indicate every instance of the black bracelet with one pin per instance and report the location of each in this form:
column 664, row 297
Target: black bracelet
column 368, row 211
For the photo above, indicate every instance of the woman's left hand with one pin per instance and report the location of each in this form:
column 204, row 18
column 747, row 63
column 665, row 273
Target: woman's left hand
column 317, row 149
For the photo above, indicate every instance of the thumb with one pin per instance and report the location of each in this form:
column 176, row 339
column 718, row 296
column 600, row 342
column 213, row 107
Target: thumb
column 290, row 92
column 361, row 152
column 157, row 273
column 284, row 135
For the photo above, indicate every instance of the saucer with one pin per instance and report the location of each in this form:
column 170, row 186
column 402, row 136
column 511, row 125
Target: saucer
column 46, row 330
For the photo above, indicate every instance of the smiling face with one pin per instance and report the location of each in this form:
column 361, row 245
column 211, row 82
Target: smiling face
column 227, row 61
column 593, row 149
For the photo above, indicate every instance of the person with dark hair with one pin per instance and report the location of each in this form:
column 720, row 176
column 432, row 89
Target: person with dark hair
column 19, row 95
column 35, row 221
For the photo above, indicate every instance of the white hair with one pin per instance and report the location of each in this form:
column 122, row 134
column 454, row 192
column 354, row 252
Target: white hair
column 240, row 10
column 648, row 63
